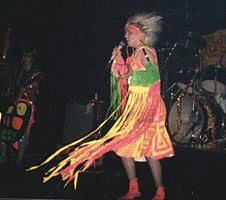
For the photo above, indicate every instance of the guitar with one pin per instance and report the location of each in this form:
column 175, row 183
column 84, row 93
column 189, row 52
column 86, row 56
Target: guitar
column 31, row 86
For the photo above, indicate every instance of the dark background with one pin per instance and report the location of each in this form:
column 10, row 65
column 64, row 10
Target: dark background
column 74, row 41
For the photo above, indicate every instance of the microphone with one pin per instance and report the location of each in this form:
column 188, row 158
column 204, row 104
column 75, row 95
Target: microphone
column 119, row 47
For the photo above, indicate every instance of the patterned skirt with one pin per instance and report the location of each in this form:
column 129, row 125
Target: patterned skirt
column 140, row 131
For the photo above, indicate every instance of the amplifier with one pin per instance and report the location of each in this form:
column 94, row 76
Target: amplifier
column 79, row 119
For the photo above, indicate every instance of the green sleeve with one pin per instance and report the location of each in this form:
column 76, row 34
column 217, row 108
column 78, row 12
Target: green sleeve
column 115, row 95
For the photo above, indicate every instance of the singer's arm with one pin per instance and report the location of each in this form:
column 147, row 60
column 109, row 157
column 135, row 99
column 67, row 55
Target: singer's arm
column 116, row 56
column 119, row 85
column 120, row 70
column 119, row 66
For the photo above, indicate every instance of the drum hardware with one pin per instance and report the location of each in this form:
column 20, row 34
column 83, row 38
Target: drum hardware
column 217, row 141
column 197, row 109
column 195, row 121
column 170, row 87
column 178, row 121
column 215, row 144
column 207, row 137
column 172, row 95
column 181, row 91
column 170, row 53
column 193, row 140
column 192, row 40
column 212, row 80
column 165, row 73
column 191, row 87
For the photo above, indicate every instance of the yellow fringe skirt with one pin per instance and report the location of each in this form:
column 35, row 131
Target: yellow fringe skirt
column 140, row 131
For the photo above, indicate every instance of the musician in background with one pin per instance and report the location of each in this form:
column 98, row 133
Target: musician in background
column 22, row 112
column 25, row 75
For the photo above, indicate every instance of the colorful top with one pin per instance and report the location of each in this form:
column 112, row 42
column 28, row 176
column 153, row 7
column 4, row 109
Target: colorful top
column 143, row 77
column 139, row 130
column 147, row 81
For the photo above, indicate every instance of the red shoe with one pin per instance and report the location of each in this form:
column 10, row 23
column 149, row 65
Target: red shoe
column 133, row 191
column 160, row 194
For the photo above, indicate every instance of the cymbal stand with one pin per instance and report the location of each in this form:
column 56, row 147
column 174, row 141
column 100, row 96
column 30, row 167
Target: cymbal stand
column 170, row 53
column 194, row 124
column 165, row 81
column 187, row 13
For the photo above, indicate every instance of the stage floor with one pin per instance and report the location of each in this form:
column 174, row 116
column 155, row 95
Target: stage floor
column 193, row 174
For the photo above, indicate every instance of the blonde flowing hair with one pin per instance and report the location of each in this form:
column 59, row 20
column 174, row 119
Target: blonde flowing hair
column 149, row 23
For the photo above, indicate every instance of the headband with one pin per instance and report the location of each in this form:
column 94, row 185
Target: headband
column 133, row 28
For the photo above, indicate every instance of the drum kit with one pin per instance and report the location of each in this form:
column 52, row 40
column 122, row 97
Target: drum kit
column 197, row 108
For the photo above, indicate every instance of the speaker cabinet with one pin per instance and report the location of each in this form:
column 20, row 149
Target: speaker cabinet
column 78, row 121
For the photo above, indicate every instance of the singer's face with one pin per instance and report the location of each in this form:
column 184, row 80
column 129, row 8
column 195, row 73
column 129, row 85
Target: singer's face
column 134, row 38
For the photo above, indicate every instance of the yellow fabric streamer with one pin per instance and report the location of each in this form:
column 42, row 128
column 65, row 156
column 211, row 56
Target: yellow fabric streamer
column 86, row 153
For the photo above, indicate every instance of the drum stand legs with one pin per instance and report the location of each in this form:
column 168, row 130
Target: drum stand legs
column 192, row 140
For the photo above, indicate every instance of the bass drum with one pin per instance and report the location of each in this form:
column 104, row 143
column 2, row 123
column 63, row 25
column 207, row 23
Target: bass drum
column 195, row 120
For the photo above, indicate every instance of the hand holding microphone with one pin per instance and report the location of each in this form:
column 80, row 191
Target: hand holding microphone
column 116, row 51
